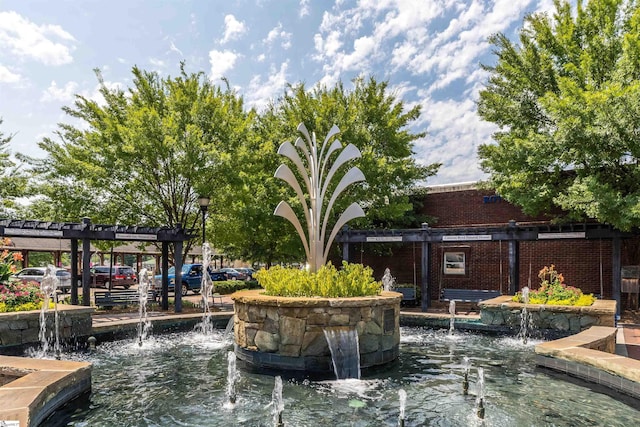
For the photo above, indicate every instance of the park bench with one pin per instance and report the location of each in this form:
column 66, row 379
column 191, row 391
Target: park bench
column 408, row 294
column 110, row 299
column 472, row 296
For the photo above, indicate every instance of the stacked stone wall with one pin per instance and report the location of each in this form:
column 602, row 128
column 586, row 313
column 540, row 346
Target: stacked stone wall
column 502, row 311
column 294, row 327
column 21, row 328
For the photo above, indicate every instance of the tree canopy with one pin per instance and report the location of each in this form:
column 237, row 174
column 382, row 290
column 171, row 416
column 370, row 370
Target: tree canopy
column 14, row 182
column 144, row 155
column 567, row 103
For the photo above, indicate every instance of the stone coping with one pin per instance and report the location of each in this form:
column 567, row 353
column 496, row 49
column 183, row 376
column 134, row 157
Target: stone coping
column 590, row 355
column 257, row 295
column 42, row 387
column 600, row 306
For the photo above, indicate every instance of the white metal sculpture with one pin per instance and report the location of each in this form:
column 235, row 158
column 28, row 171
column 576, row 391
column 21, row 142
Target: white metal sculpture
column 316, row 178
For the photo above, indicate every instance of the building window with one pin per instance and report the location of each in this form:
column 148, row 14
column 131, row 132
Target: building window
column 454, row 263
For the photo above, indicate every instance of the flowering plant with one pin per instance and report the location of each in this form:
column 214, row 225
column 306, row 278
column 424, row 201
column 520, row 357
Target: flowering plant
column 15, row 295
column 7, row 259
column 553, row 291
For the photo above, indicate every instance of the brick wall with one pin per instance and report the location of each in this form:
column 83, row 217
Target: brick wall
column 487, row 263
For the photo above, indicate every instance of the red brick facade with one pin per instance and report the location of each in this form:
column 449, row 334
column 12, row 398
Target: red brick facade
column 584, row 263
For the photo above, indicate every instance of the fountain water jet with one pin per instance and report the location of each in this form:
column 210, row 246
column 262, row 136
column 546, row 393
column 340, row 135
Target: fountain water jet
column 144, row 325
column 480, row 396
column 526, row 320
column 232, row 378
column 206, row 326
column 466, row 364
column 49, row 286
column 277, row 402
column 402, row 397
column 452, row 312
column 345, row 351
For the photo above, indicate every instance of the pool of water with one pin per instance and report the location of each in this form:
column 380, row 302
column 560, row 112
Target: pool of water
column 181, row 379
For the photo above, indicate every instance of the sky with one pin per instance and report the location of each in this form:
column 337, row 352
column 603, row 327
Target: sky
column 429, row 51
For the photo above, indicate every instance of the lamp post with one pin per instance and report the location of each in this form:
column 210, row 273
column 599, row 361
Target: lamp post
column 203, row 201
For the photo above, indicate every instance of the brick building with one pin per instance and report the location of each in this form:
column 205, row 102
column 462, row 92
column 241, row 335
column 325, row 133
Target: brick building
column 476, row 240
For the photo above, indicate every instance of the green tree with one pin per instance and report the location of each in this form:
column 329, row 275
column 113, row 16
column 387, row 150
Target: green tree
column 371, row 118
column 14, row 181
column 143, row 156
column 567, row 103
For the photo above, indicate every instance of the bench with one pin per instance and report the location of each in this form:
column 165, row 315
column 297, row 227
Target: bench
column 468, row 295
column 110, row 299
column 216, row 296
column 408, row 294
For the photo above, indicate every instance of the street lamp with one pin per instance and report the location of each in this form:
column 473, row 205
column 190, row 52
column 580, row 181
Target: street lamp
column 203, row 201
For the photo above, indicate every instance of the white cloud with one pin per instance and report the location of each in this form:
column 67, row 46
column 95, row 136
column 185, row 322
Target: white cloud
column 173, row 48
column 233, row 29
column 158, row 63
column 61, row 94
column 221, row 62
column 7, row 76
column 48, row 44
column 305, row 8
column 278, row 33
column 259, row 93
column 454, row 132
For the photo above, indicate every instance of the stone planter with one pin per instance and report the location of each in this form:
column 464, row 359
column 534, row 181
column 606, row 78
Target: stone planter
column 21, row 328
column 287, row 334
column 560, row 319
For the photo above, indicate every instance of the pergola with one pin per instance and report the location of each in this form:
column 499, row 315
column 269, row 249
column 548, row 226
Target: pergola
column 512, row 233
column 85, row 232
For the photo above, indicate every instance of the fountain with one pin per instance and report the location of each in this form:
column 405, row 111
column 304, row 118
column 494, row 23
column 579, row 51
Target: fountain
column 466, row 365
column 144, row 325
column 206, row 326
column 428, row 374
column 402, row 397
column 345, row 352
column 277, row 402
column 526, row 320
column 49, row 287
column 289, row 334
column 232, row 378
column 480, row 394
column 452, row 319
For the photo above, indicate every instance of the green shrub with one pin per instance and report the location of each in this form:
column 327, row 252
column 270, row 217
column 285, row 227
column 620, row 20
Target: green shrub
column 230, row 286
column 353, row 280
column 553, row 291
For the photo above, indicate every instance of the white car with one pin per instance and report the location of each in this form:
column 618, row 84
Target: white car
column 36, row 274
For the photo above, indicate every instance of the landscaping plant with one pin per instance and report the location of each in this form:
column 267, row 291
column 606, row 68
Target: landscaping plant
column 352, row 280
column 15, row 295
column 553, row 291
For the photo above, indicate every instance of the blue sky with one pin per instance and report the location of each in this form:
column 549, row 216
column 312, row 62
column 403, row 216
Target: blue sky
column 428, row 50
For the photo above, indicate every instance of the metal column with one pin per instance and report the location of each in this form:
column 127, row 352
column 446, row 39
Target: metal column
column 424, row 264
column 74, row 271
column 177, row 290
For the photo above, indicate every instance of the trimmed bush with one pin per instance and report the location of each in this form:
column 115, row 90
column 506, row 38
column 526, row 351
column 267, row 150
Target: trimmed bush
column 352, row 280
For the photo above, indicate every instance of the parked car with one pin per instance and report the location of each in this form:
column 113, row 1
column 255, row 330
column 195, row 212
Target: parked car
column 234, row 274
column 36, row 274
column 248, row 271
column 121, row 275
column 191, row 279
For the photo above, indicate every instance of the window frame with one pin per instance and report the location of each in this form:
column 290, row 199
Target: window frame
column 454, row 271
